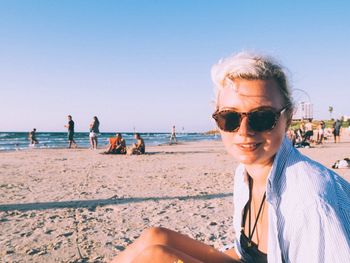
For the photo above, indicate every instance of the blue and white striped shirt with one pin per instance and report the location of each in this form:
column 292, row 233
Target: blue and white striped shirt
column 309, row 210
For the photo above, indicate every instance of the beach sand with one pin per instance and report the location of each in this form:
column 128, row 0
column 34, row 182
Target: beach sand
column 80, row 206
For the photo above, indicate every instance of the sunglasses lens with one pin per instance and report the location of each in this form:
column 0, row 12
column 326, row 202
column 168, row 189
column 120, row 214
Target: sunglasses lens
column 262, row 120
column 259, row 121
column 228, row 121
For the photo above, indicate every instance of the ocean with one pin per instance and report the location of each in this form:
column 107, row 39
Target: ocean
column 19, row 140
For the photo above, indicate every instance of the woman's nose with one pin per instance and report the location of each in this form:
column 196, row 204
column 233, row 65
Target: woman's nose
column 244, row 129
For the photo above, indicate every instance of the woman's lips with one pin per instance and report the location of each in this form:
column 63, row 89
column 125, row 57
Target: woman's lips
column 248, row 147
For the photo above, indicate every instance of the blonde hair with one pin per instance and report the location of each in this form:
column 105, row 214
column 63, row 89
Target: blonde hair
column 250, row 66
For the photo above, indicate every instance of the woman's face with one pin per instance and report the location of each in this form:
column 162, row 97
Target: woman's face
column 247, row 146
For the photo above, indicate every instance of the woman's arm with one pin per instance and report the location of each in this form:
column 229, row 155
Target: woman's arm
column 233, row 254
column 138, row 144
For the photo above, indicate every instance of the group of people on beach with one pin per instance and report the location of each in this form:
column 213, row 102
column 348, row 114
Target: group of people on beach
column 93, row 132
column 70, row 135
column 314, row 133
column 116, row 145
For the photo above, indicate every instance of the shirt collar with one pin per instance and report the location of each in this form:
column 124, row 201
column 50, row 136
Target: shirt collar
column 275, row 179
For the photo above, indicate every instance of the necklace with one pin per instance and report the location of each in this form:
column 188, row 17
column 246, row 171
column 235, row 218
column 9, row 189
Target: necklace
column 251, row 232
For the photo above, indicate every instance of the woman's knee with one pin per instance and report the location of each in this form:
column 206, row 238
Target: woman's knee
column 155, row 253
column 156, row 236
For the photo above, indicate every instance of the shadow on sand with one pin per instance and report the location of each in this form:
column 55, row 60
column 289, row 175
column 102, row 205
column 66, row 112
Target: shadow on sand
column 92, row 204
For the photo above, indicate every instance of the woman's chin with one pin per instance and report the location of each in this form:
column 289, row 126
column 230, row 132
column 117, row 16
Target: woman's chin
column 245, row 157
column 247, row 160
column 253, row 158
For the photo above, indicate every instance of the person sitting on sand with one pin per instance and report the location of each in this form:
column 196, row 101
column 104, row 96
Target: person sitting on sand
column 138, row 147
column 32, row 137
column 287, row 207
column 116, row 145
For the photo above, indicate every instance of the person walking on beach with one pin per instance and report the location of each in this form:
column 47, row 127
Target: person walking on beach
column 70, row 127
column 287, row 207
column 336, row 130
column 173, row 136
column 32, row 137
column 94, row 131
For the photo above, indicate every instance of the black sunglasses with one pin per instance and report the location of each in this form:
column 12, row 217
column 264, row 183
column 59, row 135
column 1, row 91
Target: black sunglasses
column 258, row 120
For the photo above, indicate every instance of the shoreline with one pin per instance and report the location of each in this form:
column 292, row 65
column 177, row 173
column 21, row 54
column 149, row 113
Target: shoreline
column 75, row 205
column 100, row 148
column 19, row 141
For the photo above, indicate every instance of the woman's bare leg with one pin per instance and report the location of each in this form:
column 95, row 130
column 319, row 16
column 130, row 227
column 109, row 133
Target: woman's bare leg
column 94, row 142
column 172, row 240
column 91, row 142
column 163, row 254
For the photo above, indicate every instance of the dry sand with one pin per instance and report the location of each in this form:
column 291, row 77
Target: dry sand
column 81, row 206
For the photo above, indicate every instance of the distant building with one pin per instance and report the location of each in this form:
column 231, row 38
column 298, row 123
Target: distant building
column 304, row 110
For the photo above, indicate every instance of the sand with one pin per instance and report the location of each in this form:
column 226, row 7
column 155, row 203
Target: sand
column 80, row 206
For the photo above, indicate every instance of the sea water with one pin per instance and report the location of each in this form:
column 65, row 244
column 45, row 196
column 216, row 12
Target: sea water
column 19, row 140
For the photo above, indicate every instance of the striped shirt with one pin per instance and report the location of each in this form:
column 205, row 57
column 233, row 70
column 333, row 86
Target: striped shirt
column 308, row 212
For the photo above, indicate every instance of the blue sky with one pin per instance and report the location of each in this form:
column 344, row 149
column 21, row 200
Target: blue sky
column 146, row 64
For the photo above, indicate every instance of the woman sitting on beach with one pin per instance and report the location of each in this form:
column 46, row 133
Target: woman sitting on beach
column 138, row 147
column 287, row 208
column 116, row 145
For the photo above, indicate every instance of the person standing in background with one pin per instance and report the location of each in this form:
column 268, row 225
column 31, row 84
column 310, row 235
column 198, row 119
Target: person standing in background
column 320, row 134
column 336, row 130
column 70, row 127
column 173, row 135
column 309, row 131
column 94, row 131
column 32, row 137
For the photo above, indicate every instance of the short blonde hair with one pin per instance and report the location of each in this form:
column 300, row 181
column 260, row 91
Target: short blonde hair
column 250, row 66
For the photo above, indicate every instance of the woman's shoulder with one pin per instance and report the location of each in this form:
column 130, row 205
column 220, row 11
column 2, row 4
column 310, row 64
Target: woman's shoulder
column 309, row 181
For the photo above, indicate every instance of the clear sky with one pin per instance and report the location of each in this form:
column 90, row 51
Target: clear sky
column 146, row 64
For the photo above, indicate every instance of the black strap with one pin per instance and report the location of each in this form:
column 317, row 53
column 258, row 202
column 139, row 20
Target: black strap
column 248, row 207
